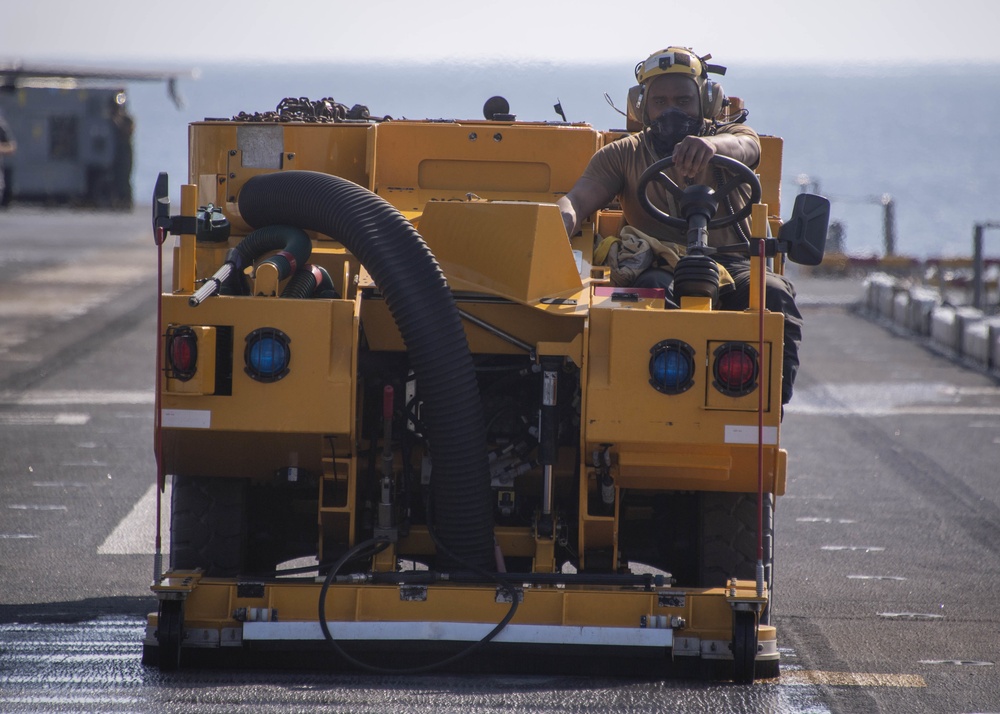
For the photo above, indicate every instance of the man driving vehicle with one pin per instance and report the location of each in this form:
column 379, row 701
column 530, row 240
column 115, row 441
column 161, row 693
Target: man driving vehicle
column 679, row 107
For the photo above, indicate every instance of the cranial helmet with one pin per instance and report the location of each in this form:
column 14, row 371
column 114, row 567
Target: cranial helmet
column 682, row 61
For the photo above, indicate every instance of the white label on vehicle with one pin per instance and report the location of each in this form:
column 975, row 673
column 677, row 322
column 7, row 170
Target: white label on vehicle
column 738, row 434
column 186, row 418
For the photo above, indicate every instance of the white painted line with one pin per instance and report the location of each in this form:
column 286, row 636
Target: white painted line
column 76, row 680
column 825, row 520
column 20, row 507
column 61, row 659
column 8, row 341
column 109, row 274
column 75, row 397
column 850, row 679
column 971, row 391
column 814, row 409
column 50, row 305
column 876, row 577
column 136, row 533
column 16, row 536
column 860, row 548
column 39, row 419
column 74, row 699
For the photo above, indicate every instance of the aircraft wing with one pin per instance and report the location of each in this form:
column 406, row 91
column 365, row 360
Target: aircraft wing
column 17, row 73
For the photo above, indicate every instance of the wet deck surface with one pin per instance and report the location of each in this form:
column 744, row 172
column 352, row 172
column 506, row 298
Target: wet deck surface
column 888, row 553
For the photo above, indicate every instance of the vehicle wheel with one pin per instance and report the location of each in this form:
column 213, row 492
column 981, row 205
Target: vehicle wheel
column 284, row 525
column 728, row 540
column 208, row 525
column 728, row 536
column 170, row 634
column 744, row 646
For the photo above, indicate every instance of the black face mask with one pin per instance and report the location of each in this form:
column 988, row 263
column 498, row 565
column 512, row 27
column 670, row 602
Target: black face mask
column 670, row 127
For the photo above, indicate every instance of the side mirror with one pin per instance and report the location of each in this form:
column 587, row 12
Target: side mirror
column 803, row 237
column 161, row 202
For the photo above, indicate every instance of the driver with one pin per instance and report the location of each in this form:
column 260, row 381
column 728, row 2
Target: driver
column 678, row 106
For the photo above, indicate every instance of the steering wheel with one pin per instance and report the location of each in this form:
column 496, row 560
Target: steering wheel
column 744, row 177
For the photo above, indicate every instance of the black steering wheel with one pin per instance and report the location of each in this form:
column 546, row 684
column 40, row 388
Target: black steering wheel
column 744, row 176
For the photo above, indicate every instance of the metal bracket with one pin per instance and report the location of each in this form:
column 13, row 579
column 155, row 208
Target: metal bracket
column 503, row 595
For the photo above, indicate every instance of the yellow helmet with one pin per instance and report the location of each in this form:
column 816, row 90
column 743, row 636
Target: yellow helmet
column 683, row 61
column 672, row 60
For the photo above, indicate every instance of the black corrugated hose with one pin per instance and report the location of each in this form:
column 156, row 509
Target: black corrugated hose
column 292, row 242
column 418, row 297
column 309, row 281
column 294, row 249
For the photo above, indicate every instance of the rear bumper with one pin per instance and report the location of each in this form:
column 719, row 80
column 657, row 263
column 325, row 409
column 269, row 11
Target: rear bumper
column 660, row 623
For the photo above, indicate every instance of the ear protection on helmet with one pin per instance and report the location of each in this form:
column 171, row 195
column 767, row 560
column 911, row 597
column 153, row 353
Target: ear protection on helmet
column 713, row 99
column 682, row 61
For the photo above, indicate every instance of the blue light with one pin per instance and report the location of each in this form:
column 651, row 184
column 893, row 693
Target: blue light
column 671, row 366
column 267, row 355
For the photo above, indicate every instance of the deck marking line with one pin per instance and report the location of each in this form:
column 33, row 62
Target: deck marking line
column 801, row 678
column 135, row 534
column 38, row 419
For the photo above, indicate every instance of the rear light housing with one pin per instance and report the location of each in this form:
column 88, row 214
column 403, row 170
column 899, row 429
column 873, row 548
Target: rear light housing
column 735, row 369
column 671, row 366
column 191, row 358
column 182, row 353
column 267, row 354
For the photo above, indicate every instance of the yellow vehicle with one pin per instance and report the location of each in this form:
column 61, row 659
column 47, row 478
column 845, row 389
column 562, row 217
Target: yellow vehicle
column 409, row 424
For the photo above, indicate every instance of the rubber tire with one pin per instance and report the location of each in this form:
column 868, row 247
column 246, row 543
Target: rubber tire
column 728, row 538
column 208, row 525
column 170, row 634
column 744, row 646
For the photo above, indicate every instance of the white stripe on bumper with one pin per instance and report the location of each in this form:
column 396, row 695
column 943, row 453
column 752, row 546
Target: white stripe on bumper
column 460, row 632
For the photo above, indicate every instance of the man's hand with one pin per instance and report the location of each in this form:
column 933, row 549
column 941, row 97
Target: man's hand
column 692, row 154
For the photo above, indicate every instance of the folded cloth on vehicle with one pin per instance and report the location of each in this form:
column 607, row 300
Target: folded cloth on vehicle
column 632, row 251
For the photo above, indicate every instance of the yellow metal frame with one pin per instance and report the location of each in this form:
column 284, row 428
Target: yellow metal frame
column 699, row 618
column 482, row 195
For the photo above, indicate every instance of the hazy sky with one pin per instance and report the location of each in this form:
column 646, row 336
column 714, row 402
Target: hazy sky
column 185, row 32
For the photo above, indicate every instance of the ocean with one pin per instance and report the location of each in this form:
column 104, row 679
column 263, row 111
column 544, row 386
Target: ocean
column 923, row 136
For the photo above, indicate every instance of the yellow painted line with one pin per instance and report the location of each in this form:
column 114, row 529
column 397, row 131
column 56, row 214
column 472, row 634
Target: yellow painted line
column 849, row 679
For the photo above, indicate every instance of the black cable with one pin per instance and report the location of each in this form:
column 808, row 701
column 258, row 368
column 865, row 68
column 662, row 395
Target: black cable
column 727, row 201
column 380, row 544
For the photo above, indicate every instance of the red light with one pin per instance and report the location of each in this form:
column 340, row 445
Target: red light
column 735, row 369
column 182, row 353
